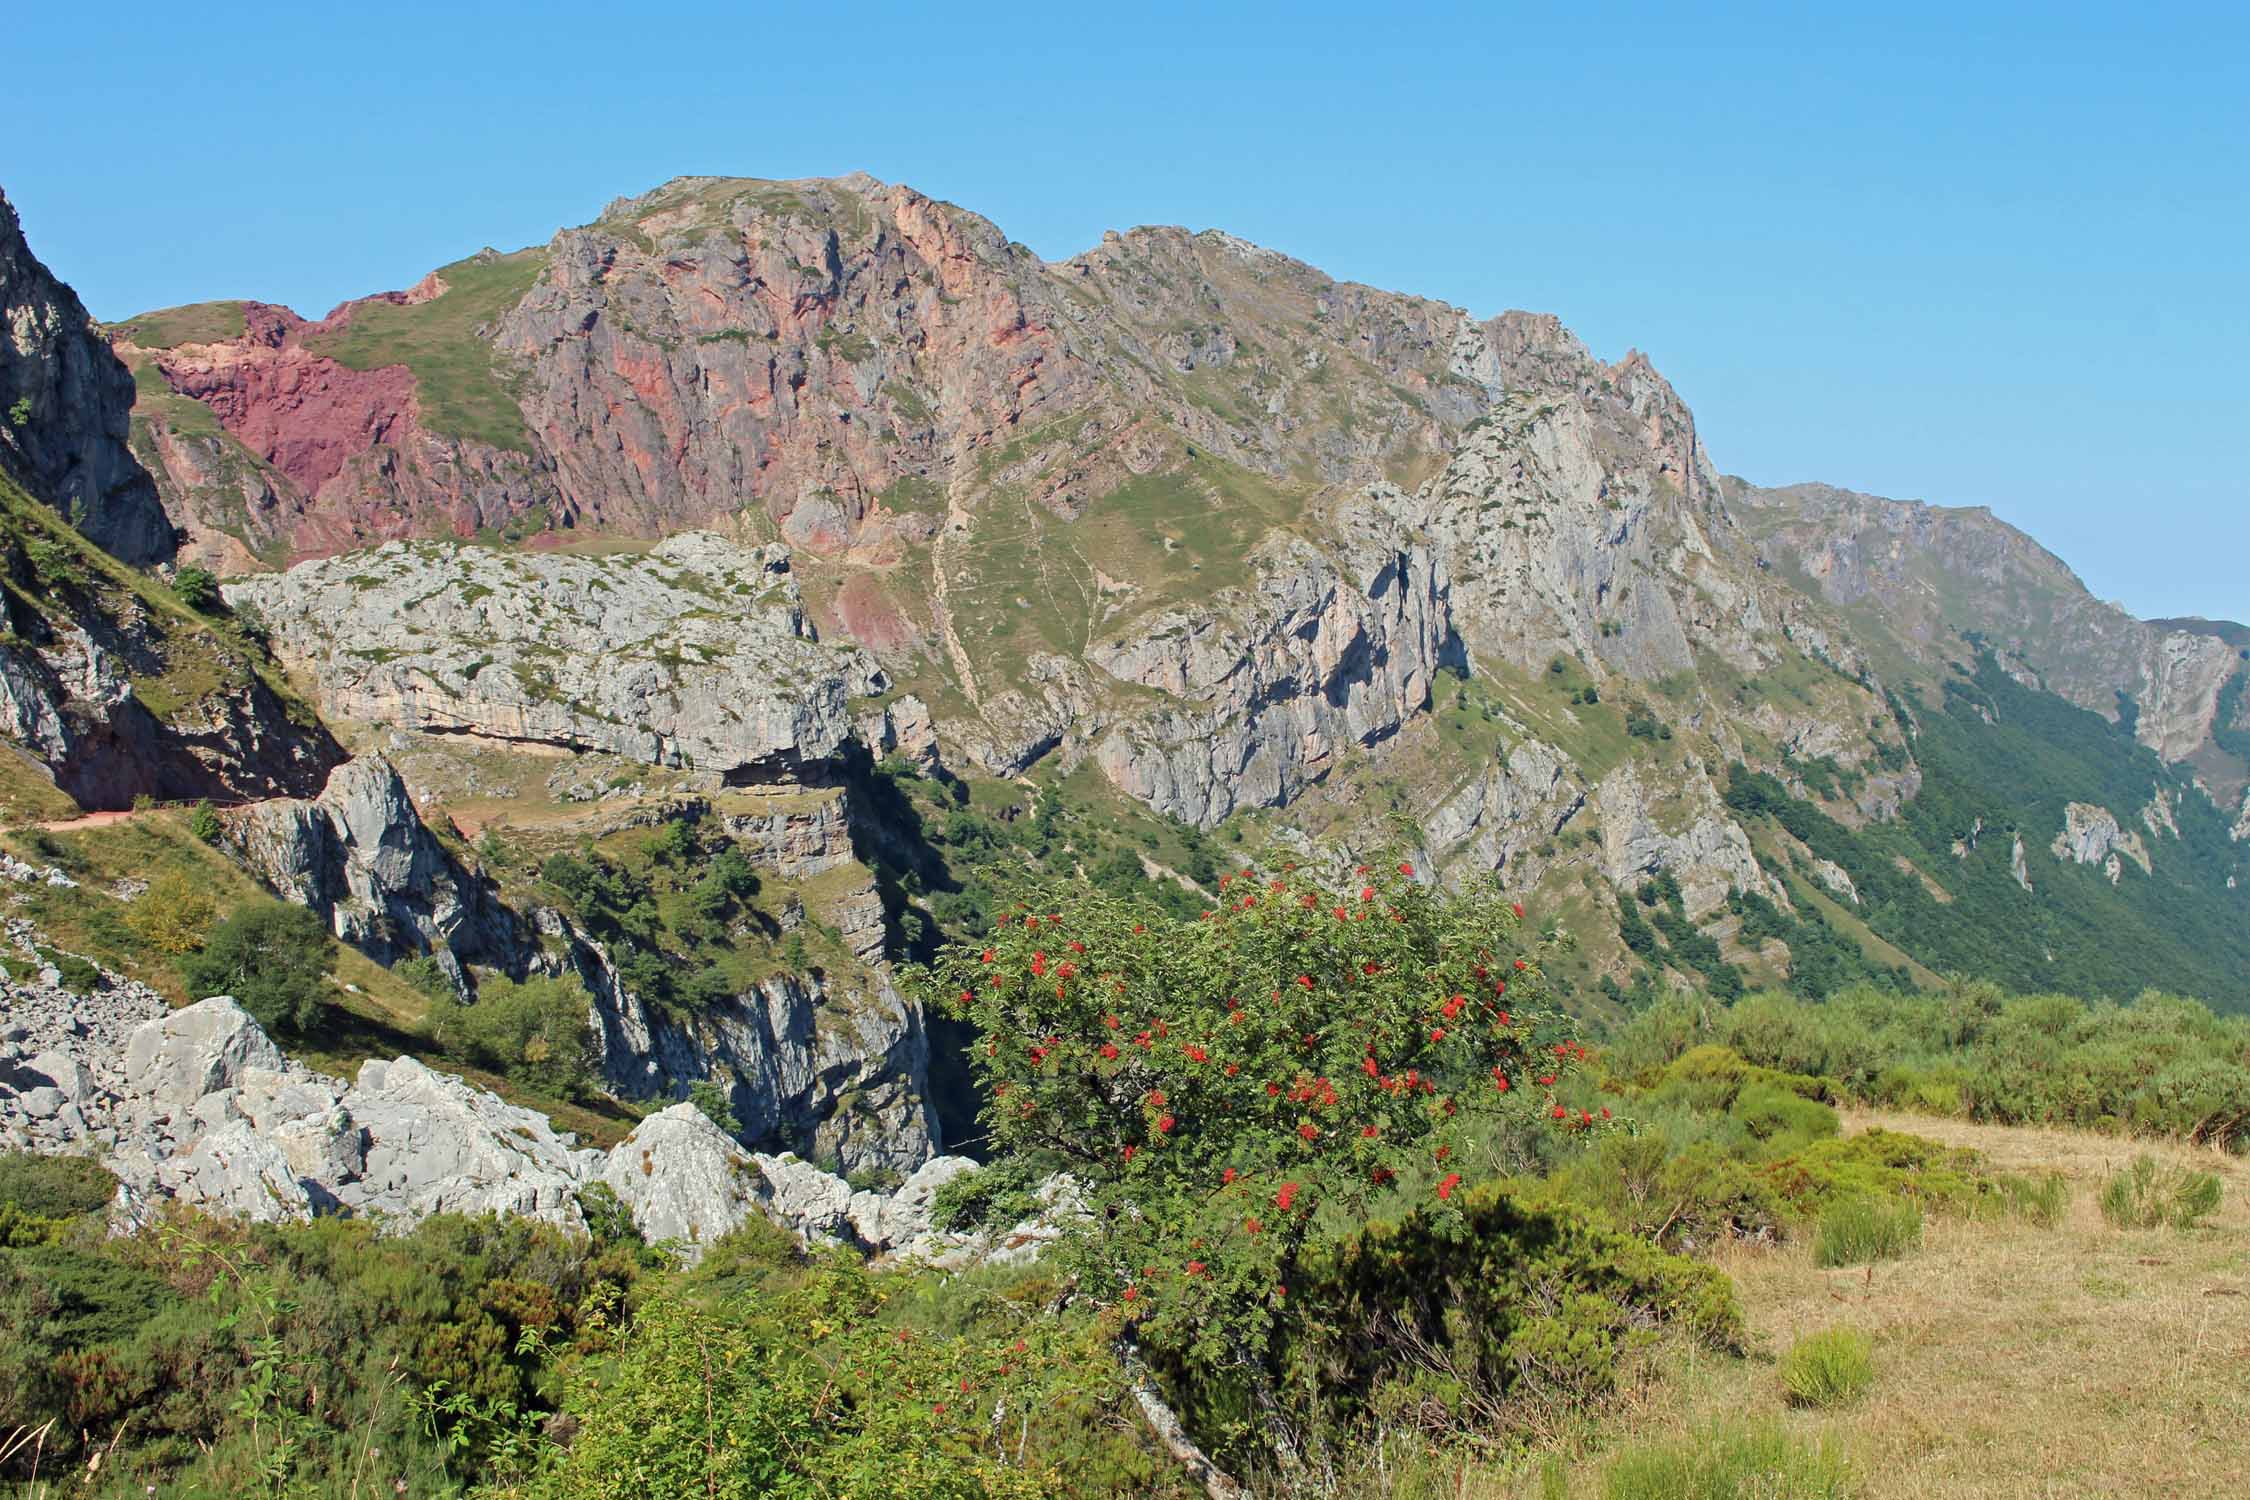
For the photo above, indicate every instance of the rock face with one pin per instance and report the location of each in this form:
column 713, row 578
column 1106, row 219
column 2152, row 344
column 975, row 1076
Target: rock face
column 360, row 856
column 2092, row 836
column 65, row 405
column 1927, row 576
column 1273, row 683
column 698, row 654
column 841, row 1074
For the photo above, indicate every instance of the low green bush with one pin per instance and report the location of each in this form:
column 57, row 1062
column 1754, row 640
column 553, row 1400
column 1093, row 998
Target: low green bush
column 2150, row 1195
column 1450, row 1320
column 1828, row 1368
column 1855, row 1231
column 55, row 1187
column 1730, row 1461
column 535, row 1032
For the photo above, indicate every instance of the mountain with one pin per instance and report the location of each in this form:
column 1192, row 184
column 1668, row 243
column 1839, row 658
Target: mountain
column 818, row 532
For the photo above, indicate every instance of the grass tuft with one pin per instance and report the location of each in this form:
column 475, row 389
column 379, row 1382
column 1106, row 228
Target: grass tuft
column 2147, row 1195
column 1858, row 1230
column 1729, row 1461
column 1828, row 1368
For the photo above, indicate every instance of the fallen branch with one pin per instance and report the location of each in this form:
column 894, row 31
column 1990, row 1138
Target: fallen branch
column 1165, row 1423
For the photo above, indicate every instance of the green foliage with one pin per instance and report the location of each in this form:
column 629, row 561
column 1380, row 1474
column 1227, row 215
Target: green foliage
column 997, row 1196
column 197, row 588
column 536, row 1031
column 1828, row 1368
column 2042, row 1199
column 667, row 911
column 1730, row 1462
column 2159, row 1065
column 1858, row 1229
column 299, row 1359
column 1454, row 1314
column 203, row 822
column 716, row 1103
column 274, row 959
column 1221, row 1087
column 173, row 914
column 19, row 415
column 2008, row 759
column 2150, row 1195
column 798, row 1393
column 55, row 1187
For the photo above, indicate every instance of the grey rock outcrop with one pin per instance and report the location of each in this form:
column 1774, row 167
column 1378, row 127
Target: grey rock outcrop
column 697, row 654
column 806, row 1065
column 684, row 1179
column 1274, row 682
column 437, row 1145
column 177, row 1059
column 70, row 448
column 360, row 855
column 2092, row 835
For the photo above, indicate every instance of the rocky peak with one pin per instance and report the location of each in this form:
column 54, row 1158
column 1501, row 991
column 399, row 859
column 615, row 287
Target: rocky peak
column 65, row 404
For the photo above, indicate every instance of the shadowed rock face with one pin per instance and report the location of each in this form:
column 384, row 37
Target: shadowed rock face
column 65, row 405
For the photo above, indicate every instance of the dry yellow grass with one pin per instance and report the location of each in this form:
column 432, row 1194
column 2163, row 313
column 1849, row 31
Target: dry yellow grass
column 2011, row 1361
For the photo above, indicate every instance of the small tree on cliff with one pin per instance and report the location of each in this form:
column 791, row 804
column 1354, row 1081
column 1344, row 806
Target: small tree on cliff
column 1223, row 1088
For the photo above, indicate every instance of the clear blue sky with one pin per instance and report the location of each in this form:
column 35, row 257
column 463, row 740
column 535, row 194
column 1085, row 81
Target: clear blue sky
column 1995, row 258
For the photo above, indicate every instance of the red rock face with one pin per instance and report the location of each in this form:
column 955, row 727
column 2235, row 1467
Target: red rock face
column 301, row 412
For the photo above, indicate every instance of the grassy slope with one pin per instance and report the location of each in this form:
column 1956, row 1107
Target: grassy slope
column 196, row 655
column 194, row 323
column 2010, row 1360
column 463, row 393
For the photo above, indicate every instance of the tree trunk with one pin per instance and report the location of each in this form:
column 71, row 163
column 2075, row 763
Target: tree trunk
column 1165, row 1423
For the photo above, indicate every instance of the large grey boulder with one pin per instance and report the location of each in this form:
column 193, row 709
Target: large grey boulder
column 683, row 1179
column 437, row 1145
column 235, row 1171
column 176, row 1059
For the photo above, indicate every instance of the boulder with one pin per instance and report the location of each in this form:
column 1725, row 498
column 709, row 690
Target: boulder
column 683, row 1179
column 437, row 1145
column 235, row 1171
column 176, row 1059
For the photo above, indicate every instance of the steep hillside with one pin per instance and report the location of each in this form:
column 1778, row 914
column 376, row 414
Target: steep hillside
column 1928, row 585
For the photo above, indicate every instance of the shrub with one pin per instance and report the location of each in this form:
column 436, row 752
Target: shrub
column 1220, row 1084
column 716, row 1103
column 2148, row 1195
column 197, row 588
column 173, row 914
column 997, row 1196
column 54, row 1187
column 798, row 1393
column 203, row 822
column 1828, row 1368
column 1458, row 1315
column 1781, row 1118
column 1858, row 1230
column 1729, row 1461
column 537, row 1032
column 274, row 959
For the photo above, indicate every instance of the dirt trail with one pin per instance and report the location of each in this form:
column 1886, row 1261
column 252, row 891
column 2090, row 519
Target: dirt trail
column 86, row 820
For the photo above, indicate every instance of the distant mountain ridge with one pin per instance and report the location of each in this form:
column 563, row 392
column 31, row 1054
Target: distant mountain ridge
column 1182, row 528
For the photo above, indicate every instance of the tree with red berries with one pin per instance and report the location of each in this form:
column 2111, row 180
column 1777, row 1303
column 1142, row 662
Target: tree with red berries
column 1226, row 1090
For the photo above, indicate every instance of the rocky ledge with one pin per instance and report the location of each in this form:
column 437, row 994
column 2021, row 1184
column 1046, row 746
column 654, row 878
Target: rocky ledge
column 697, row 653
